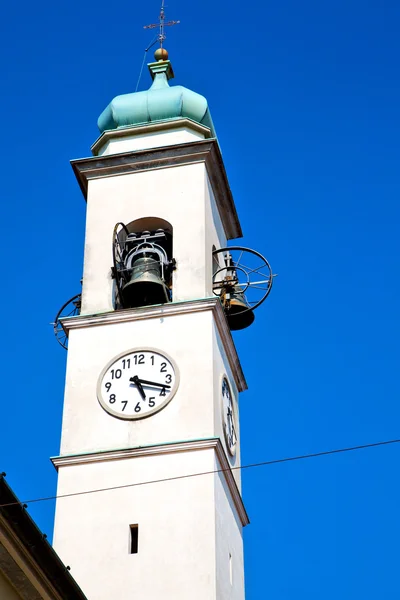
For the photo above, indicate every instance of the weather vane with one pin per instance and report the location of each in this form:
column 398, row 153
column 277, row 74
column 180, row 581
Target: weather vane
column 161, row 24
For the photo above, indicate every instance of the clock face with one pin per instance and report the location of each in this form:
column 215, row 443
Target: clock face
column 138, row 383
column 229, row 417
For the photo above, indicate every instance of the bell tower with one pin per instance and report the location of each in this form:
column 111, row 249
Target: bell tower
column 151, row 413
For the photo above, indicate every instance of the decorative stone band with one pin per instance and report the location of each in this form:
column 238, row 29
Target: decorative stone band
column 156, row 127
column 169, row 448
column 202, row 151
column 165, row 310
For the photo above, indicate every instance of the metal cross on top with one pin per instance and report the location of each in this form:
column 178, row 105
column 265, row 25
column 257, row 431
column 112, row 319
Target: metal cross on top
column 161, row 24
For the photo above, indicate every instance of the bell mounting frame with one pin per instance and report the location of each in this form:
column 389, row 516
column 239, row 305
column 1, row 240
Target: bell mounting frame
column 241, row 270
column 128, row 246
column 118, row 248
column 70, row 309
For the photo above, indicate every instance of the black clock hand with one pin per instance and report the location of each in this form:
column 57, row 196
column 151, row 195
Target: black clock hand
column 136, row 380
column 164, row 385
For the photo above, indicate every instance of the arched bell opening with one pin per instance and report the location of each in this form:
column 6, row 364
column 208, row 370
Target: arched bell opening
column 142, row 263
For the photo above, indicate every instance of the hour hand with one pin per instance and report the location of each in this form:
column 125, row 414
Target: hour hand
column 138, row 383
column 163, row 385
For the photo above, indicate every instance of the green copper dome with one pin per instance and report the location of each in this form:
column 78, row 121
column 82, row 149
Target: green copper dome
column 160, row 103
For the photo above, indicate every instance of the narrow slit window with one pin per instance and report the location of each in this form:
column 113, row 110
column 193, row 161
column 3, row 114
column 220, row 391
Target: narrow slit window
column 230, row 569
column 134, row 530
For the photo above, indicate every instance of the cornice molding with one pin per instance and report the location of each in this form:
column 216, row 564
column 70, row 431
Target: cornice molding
column 201, row 151
column 156, row 127
column 165, row 310
column 171, row 448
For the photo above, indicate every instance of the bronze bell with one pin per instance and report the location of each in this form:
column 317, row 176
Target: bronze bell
column 146, row 285
column 237, row 311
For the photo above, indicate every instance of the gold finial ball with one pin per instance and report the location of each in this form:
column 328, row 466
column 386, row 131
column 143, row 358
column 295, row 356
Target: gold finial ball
column 161, row 54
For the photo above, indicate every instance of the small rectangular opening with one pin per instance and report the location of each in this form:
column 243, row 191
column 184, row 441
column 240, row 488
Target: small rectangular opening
column 230, row 569
column 134, row 538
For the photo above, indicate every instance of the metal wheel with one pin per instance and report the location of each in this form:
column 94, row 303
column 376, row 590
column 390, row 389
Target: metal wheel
column 70, row 309
column 239, row 270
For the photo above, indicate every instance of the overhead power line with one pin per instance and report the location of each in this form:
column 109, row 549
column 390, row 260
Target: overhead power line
column 178, row 477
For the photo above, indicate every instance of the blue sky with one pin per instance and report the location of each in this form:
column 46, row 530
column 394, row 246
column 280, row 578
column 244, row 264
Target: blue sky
column 305, row 99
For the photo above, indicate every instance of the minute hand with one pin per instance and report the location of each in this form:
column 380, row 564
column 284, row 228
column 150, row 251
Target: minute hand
column 164, row 385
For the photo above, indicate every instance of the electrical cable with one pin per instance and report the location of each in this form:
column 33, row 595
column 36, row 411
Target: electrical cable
column 24, row 503
column 144, row 59
column 141, row 71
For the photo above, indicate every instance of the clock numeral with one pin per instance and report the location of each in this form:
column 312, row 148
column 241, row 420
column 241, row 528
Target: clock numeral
column 232, row 435
column 139, row 359
column 138, row 404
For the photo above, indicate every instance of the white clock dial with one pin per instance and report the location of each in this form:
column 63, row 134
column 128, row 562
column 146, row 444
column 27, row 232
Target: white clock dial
column 229, row 417
column 137, row 383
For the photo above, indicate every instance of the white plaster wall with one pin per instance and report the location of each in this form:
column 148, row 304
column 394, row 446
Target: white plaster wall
column 187, row 338
column 177, row 528
column 229, row 541
column 215, row 235
column 175, row 194
column 7, row 592
column 147, row 140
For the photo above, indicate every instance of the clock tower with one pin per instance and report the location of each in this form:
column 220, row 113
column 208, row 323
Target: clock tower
column 149, row 484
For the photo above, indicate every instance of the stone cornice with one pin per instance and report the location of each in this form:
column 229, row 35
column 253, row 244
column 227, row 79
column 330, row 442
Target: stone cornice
column 170, row 309
column 188, row 446
column 202, row 151
column 156, row 127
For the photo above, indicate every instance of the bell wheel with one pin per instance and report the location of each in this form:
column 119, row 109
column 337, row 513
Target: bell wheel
column 71, row 308
column 242, row 273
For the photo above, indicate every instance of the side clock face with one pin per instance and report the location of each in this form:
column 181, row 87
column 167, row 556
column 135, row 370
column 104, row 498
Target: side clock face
column 137, row 384
column 229, row 417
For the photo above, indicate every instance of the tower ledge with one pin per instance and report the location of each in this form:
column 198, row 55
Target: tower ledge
column 163, row 311
column 167, row 448
column 151, row 135
column 206, row 151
